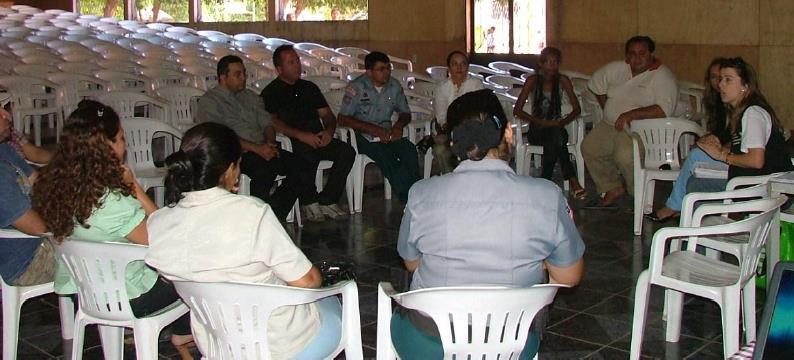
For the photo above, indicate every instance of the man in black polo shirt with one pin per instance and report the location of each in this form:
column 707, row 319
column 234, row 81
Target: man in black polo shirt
column 300, row 111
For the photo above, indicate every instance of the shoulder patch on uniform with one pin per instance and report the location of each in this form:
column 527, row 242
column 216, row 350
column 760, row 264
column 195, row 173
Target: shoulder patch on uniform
column 350, row 90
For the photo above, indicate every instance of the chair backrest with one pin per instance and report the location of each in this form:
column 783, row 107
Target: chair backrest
column 139, row 133
column 181, row 102
column 327, row 83
column 510, row 68
column 438, row 73
column 660, row 139
column 237, row 325
column 99, row 271
column 481, row 321
column 692, row 200
column 757, row 226
column 127, row 102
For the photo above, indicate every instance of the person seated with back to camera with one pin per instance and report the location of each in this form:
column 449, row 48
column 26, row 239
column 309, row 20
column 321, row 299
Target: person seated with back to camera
column 207, row 233
column 482, row 225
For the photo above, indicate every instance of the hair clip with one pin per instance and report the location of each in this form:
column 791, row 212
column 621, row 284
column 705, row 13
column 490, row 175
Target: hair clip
column 496, row 121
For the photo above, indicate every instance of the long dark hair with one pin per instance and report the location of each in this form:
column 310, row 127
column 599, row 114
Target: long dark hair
column 82, row 171
column 754, row 95
column 715, row 109
column 206, row 152
column 555, row 102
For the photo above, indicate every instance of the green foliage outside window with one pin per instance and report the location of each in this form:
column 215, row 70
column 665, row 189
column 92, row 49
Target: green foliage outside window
column 233, row 11
column 166, row 10
column 114, row 8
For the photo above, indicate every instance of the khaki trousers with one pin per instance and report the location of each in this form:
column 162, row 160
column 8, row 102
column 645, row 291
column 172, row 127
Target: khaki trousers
column 608, row 155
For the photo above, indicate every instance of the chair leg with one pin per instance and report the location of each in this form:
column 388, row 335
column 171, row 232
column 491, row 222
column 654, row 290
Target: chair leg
column 674, row 306
column 358, row 183
column 639, row 196
column 349, row 192
column 730, row 324
column 79, row 338
column 11, row 308
column 66, row 309
column 112, row 341
column 146, row 337
column 386, row 188
column 640, row 312
column 748, row 311
column 428, row 163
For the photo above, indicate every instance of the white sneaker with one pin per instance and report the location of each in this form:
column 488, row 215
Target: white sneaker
column 313, row 213
column 333, row 212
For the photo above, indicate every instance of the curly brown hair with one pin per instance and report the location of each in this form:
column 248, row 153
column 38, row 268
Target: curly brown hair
column 83, row 169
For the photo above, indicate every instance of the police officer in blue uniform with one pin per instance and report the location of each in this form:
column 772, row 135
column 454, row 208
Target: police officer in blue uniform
column 368, row 105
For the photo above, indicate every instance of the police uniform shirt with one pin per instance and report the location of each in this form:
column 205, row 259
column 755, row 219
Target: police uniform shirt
column 363, row 102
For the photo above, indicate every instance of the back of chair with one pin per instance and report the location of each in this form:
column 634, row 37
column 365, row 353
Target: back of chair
column 756, row 225
column 236, row 315
column 99, row 271
column 182, row 100
column 660, row 139
column 139, row 133
column 477, row 321
column 125, row 104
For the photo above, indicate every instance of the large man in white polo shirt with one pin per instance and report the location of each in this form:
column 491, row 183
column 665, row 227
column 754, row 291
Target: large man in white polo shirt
column 638, row 88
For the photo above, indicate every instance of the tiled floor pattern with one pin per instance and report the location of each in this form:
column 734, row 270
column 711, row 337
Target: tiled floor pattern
column 592, row 321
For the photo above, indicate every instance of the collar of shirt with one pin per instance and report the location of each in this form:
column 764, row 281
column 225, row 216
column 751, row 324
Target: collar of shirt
column 201, row 197
column 484, row 165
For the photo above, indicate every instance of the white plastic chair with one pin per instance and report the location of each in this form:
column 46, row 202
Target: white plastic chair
column 249, row 37
column 660, row 140
column 355, row 52
column 76, row 87
column 162, row 77
column 437, row 73
column 484, row 71
column 15, row 296
column 218, row 305
column 181, row 102
column 99, row 271
column 466, row 315
column 308, row 46
column 731, row 286
column 327, row 83
column 34, row 99
column 130, row 104
column 121, row 81
column 506, row 82
column 140, row 133
column 511, row 68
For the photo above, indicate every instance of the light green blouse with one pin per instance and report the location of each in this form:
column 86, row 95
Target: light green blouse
column 112, row 222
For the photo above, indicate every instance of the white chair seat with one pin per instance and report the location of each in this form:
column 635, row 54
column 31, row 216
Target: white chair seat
column 697, row 269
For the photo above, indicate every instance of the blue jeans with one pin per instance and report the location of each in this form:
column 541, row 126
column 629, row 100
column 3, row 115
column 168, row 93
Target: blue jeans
column 327, row 339
column 696, row 157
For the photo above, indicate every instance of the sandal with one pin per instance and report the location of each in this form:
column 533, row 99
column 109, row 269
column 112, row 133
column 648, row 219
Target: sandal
column 596, row 204
column 579, row 194
column 657, row 219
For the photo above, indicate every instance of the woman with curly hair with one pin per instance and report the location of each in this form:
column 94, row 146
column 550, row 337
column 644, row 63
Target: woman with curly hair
column 86, row 192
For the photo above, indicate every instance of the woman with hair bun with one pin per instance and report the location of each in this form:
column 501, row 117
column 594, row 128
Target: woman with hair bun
column 88, row 193
column 210, row 234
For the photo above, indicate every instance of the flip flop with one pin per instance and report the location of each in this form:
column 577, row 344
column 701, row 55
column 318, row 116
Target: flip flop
column 580, row 194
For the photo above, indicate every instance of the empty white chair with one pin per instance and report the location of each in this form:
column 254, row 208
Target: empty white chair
column 32, row 70
column 251, row 306
column 139, row 133
column 162, row 77
column 130, row 104
column 15, row 296
column 511, row 68
column 505, row 81
column 182, row 100
column 34, row 99
column 484, row 71
column 308, row 46
column 679, row 272
column 122, row 81
column 99, row 271
column 660, row 139
column 77, row 87
column 465, row 316
column 437, row 73
column 327, row 83
column 249, row 37
column 353, row 51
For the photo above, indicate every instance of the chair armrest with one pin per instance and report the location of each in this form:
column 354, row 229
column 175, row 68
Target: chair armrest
column 688, row 211
column 15, row 234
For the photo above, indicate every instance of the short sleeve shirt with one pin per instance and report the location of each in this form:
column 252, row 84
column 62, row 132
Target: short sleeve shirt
column 15, row 254
column 364, row 102
column 112, row 221
column 656, row 86
column 215, row 236
column 485, row 225
column 243, row 112
column 295, row 104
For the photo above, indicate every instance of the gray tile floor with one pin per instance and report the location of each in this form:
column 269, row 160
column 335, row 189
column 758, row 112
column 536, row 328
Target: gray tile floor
column 591, row 321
